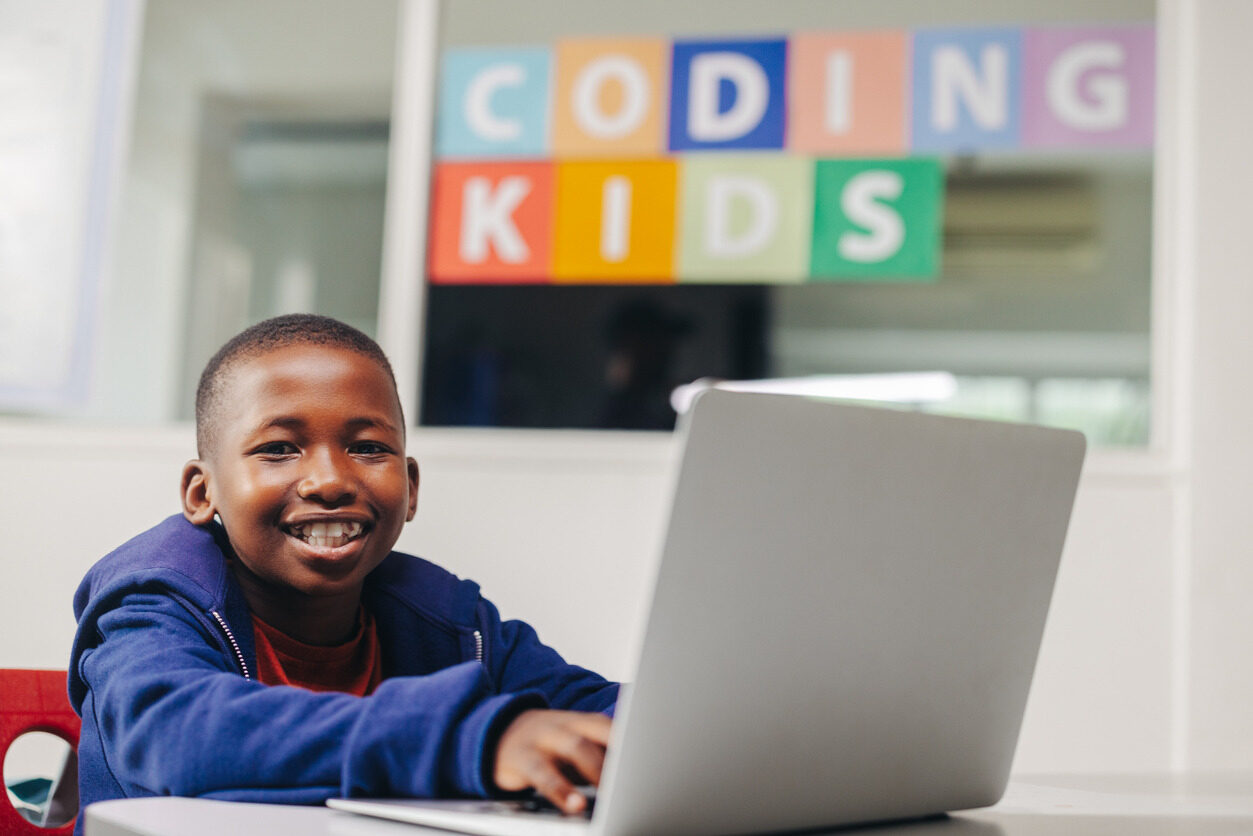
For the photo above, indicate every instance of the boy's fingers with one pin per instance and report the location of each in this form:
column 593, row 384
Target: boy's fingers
column 585, row 756
column 551, row 751
column 550, row 783
column 595, row 727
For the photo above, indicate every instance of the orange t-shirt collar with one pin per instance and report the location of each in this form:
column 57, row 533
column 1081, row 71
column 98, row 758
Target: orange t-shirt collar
column 354, row 667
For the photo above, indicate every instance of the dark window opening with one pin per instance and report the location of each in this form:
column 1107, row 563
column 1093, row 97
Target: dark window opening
column 588, row 357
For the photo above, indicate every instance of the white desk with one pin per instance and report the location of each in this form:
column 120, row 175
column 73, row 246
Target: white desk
column 1108, row 805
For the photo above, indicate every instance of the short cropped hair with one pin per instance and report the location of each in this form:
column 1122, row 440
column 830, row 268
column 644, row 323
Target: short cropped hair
column 266, row 336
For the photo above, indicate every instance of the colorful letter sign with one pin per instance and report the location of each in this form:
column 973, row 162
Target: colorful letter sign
column 610, row 98
column 615, row 221
column 727, row 95
column 494, row 103
column 490, row 222
column 876, row 219
column 848, row 93
column 628, row 159
column 970, row 78
column 1089, row 87
column 745, row 218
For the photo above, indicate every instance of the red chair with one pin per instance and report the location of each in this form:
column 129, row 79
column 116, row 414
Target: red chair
column 32, row 701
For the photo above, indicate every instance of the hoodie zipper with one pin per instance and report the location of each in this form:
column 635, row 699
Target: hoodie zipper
column 230, row 637
column 478, row 647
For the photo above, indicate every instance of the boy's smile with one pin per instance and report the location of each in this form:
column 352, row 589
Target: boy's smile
column 308, row 474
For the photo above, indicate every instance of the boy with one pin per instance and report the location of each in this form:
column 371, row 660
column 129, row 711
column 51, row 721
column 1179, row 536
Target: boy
column 280, row 572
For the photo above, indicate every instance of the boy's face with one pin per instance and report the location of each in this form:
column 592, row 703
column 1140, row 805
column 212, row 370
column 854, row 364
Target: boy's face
column 307, row 470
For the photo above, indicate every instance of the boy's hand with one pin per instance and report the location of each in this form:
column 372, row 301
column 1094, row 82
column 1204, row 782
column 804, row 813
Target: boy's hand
column 546, row 749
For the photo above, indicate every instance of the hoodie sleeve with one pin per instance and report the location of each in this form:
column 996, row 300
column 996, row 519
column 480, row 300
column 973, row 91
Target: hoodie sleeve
column 175, row 719
column 519, row 662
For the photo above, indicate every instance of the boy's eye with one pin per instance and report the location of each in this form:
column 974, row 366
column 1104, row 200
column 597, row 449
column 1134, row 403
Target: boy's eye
column 369, row 448
column 275, row 449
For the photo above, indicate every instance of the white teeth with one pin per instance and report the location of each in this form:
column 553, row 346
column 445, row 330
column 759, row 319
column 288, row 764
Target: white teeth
column 327, row 535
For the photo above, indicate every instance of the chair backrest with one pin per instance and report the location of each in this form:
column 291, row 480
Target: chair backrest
column 31, row 701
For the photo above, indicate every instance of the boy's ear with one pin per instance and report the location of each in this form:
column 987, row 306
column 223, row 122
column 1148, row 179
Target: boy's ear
column 197, row 504
column 412, row 465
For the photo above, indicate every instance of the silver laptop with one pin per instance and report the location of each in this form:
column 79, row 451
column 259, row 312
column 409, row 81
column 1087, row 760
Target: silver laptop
column 845, row 622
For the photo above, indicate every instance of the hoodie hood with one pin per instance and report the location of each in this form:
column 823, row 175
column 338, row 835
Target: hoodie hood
column 190, row 562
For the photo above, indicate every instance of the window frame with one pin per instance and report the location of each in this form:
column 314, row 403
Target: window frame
column 404, row 277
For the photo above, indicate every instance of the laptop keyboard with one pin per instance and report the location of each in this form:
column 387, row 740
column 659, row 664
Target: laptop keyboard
column 539, row 804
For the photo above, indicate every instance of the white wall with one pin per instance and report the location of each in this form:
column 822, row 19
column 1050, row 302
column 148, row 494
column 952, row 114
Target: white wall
column 1219, row 121
column 1145, row 664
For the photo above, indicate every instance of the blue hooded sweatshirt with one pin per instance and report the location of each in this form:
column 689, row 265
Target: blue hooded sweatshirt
column 163, row 666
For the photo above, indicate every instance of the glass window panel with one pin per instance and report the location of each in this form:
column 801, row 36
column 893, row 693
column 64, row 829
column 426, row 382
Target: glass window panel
column 255, row 185
column 289, row 219
column 1109, row 411
column 1045, row 276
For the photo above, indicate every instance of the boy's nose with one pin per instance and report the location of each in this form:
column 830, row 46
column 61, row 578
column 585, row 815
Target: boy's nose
column 325, row 480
